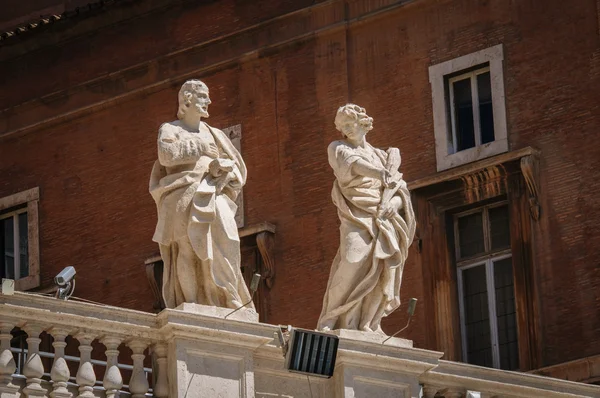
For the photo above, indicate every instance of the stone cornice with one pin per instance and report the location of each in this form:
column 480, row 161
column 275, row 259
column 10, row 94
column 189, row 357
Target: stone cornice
column 514, row 384
column 464, row 170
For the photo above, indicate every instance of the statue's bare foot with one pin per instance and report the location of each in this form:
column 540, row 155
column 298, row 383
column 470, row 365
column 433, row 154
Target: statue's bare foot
column 366, row 329
column 326, row 329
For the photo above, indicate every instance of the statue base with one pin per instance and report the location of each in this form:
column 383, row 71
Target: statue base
column 371, row 337
column 243, row 314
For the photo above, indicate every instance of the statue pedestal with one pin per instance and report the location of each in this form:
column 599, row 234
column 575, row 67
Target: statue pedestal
column 367, row 368
column 210, row 356
column 372, row 337
column 244, row 314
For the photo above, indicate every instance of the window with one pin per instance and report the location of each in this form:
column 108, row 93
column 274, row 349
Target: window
column 468, row 108
column 19, row 254
column 485, row 287
column 14, row 245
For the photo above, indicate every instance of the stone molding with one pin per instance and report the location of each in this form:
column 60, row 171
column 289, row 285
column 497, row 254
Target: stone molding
column 437, row 75
column 503, row 383
column 465, row 170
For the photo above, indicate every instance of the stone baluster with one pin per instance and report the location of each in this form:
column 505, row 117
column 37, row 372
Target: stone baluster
column 453, row 392
column 429, row 390
column 34, row 368
column 86, row 378
column 161, row 387
column 59, row 373
column 7, row 363
column 138, row 384
column 113, row 381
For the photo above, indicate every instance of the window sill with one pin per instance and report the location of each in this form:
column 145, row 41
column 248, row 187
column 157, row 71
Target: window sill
column 466, row 169
column 472, row 154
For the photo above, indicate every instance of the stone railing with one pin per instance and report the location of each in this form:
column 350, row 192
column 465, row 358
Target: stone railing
column 75, row 326
column 73, row 349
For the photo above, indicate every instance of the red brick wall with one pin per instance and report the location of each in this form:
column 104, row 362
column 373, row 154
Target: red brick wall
column 93, row 167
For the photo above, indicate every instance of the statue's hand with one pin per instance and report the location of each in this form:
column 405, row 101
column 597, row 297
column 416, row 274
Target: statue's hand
column 218, row 166
column 210, row 150
column 389, row 180
column 388, row 209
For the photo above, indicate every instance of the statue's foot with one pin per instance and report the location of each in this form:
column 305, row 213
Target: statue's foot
column 236, row 304
column 380, row 331
column 326, row 329
column 366, row 329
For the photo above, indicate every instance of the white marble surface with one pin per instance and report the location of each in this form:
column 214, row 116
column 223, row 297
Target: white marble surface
column 244, row 314
column 371, row 337
column 377, row 228
column 195, row 183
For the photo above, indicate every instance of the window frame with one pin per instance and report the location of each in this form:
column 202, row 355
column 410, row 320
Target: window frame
column 14, row 214
column 487, row 259
column 472, row 76
column 29, row 199
column 443, row 127
column 436, row 199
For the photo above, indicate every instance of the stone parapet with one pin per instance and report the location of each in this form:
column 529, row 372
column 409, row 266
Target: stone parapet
column 202, row 354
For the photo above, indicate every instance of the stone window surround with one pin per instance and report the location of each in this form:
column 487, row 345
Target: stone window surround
column 31, row 198
column 511, row 176
column 437, row 73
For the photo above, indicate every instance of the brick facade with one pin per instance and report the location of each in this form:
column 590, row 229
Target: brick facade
column 82, row 101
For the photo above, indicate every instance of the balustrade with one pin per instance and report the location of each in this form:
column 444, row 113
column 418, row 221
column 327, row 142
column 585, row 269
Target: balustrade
column 222, row 353
column 33, row 381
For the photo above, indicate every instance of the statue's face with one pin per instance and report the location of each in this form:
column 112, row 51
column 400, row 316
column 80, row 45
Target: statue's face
column 357, row 128
column 201, row 102
column 197, row 102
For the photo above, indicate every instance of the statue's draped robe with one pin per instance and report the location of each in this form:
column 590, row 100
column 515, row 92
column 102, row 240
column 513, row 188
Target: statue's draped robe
column 364, row 281
column 196, row 229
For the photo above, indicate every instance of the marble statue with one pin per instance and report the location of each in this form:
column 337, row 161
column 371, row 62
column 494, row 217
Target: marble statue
column 194, row 183
column 377, row 228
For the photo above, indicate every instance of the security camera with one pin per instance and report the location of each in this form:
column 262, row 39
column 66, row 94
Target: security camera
column 65, row 276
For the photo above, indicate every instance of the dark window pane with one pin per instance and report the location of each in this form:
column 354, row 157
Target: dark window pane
column 486, row 114
column 506, row 315
column 23, row 246
column 500, row 231
column 8, row 253
column 477, row 322
column 463, row 114
column 470, row 235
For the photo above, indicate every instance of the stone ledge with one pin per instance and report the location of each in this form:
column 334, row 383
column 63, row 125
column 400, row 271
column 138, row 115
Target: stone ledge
column 244, row 314
column 372, row 338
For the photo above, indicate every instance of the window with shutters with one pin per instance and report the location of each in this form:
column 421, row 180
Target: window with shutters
column 485, row 287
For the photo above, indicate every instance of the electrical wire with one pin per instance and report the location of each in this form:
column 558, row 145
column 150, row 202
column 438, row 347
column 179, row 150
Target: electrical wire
column 309, row 386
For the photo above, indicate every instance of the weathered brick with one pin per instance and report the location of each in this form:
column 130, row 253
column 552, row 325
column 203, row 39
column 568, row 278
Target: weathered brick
column 92, row 169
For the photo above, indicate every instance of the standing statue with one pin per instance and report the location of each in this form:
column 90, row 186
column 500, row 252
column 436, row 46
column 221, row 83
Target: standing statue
column 194, row 183
column 377, row 228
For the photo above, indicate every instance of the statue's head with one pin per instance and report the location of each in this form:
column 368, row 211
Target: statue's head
column 352, row 119
column 193, row 97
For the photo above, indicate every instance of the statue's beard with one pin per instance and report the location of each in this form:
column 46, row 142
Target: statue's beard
column 202, row 112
